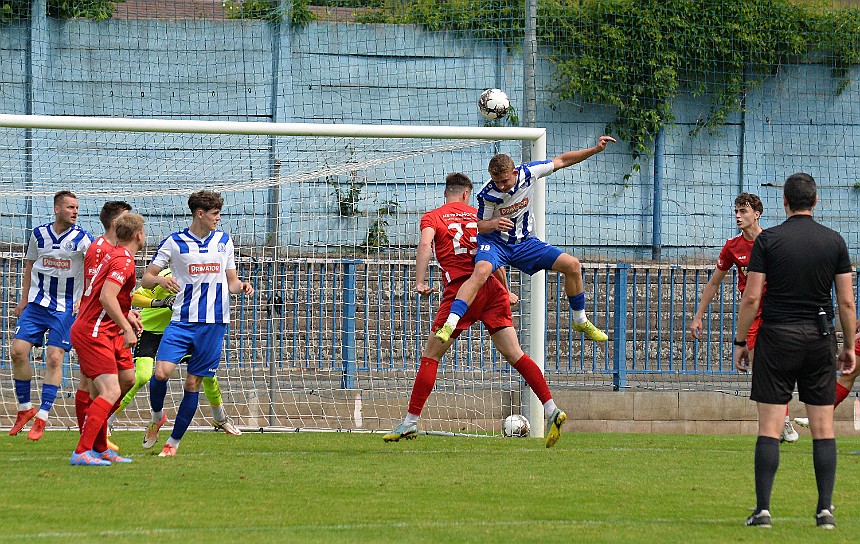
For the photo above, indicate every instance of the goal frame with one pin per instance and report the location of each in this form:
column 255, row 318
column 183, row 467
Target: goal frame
column 535, row 136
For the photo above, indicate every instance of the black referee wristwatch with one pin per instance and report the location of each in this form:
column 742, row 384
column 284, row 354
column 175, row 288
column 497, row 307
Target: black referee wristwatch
column 739, row 343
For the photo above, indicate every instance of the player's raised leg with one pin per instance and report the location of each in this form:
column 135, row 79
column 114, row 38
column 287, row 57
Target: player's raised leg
column 465, row 297
column 212, row 390
column 575, row 291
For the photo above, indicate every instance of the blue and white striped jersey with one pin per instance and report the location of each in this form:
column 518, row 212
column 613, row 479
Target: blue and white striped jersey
column 516, row 203
column 57, row 279
column 200, row 267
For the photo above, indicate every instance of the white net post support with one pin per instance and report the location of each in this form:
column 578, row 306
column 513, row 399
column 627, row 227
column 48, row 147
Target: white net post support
column 537, row 296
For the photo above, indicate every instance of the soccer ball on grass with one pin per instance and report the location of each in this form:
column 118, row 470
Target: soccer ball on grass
column 493, row 104
column 516, row 425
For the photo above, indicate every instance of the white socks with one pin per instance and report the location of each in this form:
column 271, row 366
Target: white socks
column 549, row 407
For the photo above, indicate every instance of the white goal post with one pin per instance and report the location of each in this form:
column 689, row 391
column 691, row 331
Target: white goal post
column 155, row 163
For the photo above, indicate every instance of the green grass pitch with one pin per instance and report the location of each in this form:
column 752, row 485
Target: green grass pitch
column 350, row 487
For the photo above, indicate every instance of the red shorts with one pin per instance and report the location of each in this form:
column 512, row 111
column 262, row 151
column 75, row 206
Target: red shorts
column 102, row 354
column 753, row 332
column 491, row 306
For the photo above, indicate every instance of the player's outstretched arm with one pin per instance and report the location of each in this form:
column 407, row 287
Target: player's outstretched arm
column 707, row 296
column 572, row 157
column 422, row 261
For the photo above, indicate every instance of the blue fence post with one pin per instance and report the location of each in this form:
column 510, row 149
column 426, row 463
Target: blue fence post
column 347, row 381
column 657, row 217
column 619, row 342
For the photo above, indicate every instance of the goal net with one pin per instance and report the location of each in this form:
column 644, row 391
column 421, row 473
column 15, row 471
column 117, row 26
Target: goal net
column 325, row 221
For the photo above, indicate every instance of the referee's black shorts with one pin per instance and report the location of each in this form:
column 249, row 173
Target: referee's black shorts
column 789, row 354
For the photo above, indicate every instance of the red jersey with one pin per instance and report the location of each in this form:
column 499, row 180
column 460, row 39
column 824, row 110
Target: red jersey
column 456, row 240
column 118, row 267
column 736, row 252
column 94, row 256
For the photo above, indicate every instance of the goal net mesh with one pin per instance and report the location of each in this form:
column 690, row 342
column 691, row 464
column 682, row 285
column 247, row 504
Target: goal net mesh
column 325, row 230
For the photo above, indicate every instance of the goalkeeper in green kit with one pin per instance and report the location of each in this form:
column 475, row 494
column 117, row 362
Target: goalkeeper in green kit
column 156, row 310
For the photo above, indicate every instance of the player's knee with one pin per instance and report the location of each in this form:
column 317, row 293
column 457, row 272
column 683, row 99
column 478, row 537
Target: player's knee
column 54, row 361
column 568, row 264
column 110, row 392
column 482, row 272
column 162, row 374
column 20, row 355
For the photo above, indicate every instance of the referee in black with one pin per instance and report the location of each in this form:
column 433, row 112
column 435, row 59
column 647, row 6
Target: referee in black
column 800, row 260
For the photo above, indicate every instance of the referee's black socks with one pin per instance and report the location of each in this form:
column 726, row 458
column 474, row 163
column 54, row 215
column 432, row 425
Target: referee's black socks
column 766, row 463
column 824, row 459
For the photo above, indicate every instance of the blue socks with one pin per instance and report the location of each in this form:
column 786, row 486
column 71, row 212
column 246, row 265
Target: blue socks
column 460, row 307
column 22, row 391
column 49, row 395
column 187, row 408
column 157, row 392
column 577, row 302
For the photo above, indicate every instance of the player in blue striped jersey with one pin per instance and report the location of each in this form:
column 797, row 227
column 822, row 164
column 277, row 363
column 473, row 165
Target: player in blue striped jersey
column 505, row 235
column 52, row 284
column 202, row 261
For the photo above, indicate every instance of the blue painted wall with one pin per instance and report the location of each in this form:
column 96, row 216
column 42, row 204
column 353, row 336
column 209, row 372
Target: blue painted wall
column 333, row 73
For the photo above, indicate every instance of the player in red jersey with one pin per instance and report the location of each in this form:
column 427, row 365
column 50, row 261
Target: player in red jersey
column 736, row 252
column 103, row 334
column 103, row 245
column 452, row 231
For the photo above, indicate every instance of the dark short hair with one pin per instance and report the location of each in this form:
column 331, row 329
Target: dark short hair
column 799, row 191
column 127, row 226
column 111, row 210
column 751, row 200
column 500, row 164
column 456, row 183
column 60, row 195
column 205, row 200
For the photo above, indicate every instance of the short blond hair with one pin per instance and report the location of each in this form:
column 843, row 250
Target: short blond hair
column 500, row 164
column 127, row 226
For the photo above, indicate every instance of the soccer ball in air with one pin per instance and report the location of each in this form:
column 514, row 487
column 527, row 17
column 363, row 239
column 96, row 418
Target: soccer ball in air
column 493, row 104
column 516, row 425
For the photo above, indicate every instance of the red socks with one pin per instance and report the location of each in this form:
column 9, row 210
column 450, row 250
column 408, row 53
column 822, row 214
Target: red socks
column 82, row 402
column 841, row 394
column 424, row 382
column 534, row 377
column 96, row 420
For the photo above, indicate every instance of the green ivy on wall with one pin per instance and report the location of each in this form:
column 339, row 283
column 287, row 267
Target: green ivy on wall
column 639, row 55
column 95, row 10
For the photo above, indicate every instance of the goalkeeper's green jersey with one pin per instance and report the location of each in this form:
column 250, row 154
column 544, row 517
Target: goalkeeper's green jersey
column 155, row 319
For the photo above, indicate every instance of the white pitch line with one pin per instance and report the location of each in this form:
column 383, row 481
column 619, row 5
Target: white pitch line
column 287, row 529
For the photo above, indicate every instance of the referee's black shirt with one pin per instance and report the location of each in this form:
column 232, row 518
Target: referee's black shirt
column 800, row 259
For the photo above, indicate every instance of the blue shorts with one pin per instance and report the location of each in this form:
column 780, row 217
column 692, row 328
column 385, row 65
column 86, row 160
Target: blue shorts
column 531, row 255
column 35, row 320
column 204, row 341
